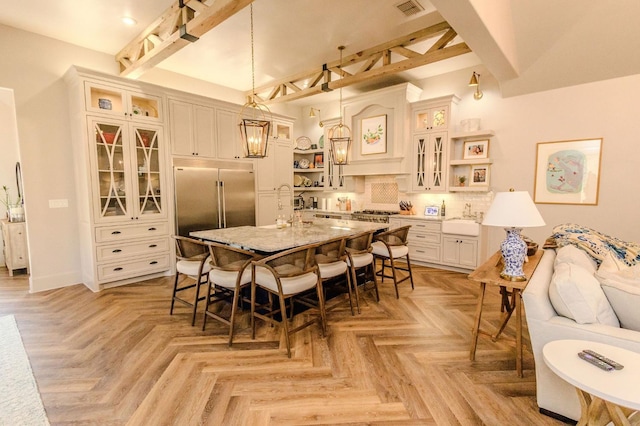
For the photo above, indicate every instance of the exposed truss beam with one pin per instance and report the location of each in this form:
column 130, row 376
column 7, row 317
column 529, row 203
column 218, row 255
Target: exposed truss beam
column 372, row 63
column 181, row 24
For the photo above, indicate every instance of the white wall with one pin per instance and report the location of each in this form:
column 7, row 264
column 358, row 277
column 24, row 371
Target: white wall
column 8, row 150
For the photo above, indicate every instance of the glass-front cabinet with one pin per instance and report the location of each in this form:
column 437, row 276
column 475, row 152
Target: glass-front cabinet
column 118, row 102
column 429, row 156
column 128, row 170
column 432, row 118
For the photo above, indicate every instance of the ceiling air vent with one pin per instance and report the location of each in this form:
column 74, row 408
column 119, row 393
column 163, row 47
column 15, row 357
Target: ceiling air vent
column 410, row 7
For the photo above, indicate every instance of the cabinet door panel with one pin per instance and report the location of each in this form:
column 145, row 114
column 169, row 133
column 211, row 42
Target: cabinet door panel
column 112, row 168
column 204, row 128
column 181, row 128
column 149, row 167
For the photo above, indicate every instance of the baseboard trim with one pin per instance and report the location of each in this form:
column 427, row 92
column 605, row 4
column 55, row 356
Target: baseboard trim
column 557, row 416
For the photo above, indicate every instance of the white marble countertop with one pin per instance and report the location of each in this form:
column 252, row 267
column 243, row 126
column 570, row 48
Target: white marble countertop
column 270, row 239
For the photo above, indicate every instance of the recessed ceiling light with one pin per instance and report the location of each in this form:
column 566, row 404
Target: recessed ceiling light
column 128, row 20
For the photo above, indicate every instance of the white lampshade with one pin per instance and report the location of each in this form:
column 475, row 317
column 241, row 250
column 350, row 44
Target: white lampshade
column 514, row 209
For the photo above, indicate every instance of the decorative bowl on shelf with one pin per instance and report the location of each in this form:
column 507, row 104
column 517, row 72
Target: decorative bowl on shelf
column 303, row 163
column 108, row 137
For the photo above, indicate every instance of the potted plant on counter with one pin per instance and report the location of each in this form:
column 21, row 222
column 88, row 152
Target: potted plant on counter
column 462, row 180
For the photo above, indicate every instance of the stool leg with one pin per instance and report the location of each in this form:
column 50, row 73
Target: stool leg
column 173, row 295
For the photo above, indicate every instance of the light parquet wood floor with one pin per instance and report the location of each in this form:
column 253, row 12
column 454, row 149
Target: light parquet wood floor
column 117, row 357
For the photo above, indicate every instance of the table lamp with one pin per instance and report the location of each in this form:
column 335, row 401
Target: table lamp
column 513, row 211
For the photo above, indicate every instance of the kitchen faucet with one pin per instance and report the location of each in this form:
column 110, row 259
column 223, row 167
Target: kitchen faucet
column 285, row 185
column 467, row 208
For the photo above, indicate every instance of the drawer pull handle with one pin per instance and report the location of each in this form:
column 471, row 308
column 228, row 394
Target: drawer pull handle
column 117, row 269
column 152, row 229
column 153, row 245
column 116, row 233
column 153, row 262
column 116, row 251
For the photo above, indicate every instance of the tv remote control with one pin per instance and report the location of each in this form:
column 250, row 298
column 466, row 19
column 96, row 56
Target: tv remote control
column 595, row 361
column 604, row 359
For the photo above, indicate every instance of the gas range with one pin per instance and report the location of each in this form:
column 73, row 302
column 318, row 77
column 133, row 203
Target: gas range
column 379, row 216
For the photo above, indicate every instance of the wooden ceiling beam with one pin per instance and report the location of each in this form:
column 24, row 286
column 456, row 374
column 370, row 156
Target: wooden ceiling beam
column 372, row 63
column 163, row 37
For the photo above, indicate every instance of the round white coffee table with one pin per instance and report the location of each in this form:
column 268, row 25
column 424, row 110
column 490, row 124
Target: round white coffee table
column 604, row 395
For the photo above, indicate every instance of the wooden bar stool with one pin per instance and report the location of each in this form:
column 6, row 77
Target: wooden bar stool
column 360, row 258
column 389, row 246
column 286, row 275
column 230, row 274
column 191, row 263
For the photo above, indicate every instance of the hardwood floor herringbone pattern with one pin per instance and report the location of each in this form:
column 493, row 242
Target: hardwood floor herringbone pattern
column 118, row 357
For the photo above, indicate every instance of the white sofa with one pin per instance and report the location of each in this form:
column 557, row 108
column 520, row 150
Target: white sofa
column 545, row 325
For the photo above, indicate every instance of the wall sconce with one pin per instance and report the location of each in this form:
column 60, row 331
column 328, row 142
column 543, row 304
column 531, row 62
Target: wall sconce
column 475, row 81
column 312, row 113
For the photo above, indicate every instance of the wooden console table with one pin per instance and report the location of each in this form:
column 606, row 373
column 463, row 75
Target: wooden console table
column 489, row 273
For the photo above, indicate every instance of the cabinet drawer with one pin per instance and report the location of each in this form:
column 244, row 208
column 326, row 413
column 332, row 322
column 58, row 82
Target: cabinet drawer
column 126, row 232
column 114, row 252
column 119, row 271
column 425, row 253
column 424, row 237
column 424, row 226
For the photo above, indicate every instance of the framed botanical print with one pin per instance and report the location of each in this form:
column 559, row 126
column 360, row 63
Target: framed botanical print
column 373, row 131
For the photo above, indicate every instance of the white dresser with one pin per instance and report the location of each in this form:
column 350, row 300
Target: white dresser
column 14, row 238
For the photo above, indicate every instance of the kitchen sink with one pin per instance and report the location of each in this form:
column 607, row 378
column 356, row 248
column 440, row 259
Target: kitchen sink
column 461, row 227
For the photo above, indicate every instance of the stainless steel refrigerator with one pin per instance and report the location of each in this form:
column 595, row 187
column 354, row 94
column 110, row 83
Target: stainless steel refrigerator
column 213, row 194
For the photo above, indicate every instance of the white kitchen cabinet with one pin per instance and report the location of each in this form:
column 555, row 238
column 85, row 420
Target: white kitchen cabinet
column 228, row 135
column 431, row 120
column 282, row 131
column 127, row 170
column 269, row 209
column 14, row 239
column 120, row 102
column 460, row 251
column 120, row 156
column 428, row 245
column 193, row 129
column 424, row 239
column 429, row 169
column 276, row 168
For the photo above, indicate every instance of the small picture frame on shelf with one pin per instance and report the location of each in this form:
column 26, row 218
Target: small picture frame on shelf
column 479, row 175
column 475, row 150
column 319, row 160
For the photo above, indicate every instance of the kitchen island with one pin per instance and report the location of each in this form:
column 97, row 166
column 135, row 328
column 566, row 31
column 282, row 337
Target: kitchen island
column 271, row 239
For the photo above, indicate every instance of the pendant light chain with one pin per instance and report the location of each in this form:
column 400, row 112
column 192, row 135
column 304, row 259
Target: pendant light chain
column 341, row 48
column 253, row 68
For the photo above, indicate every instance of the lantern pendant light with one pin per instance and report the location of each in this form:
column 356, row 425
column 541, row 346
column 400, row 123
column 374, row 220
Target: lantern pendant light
column 340, row 134
column 255, row 118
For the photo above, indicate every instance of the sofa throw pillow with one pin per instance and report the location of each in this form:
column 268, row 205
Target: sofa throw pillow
column 622, row 288
column 576, row 256
column 575, row 293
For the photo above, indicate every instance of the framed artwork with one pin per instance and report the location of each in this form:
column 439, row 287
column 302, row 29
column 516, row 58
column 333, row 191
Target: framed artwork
column 568, row 172
column 476, row 150
column 319, row 160
column 479, row 175
column 373, row 131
